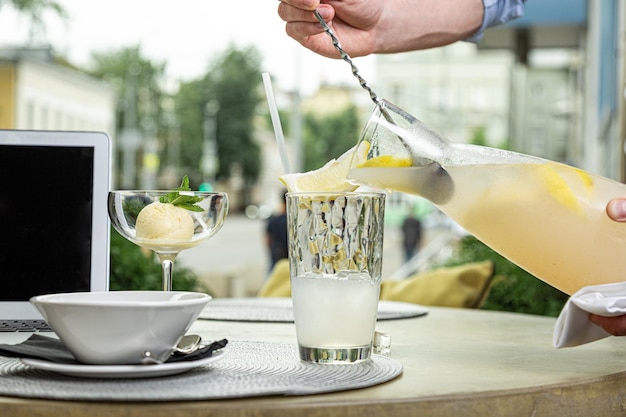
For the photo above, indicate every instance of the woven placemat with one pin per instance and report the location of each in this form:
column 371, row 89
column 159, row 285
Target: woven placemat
column 249, row 369
column 281, row 310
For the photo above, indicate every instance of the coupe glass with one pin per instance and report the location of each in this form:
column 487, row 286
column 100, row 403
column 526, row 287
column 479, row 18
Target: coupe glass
column 164, row 228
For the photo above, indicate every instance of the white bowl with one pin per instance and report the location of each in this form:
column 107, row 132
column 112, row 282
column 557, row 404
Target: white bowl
column 117, row 327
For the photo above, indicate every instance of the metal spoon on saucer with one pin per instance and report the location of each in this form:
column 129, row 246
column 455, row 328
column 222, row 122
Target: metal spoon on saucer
column 187, row 344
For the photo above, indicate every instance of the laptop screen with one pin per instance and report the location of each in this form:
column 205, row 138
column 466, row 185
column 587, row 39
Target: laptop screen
column 54, row 231
column 46, row 214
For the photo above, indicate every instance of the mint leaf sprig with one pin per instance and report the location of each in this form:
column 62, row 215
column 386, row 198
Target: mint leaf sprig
column 187, row 202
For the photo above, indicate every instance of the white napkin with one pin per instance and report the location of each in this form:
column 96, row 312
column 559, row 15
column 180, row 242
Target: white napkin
column 573, row 326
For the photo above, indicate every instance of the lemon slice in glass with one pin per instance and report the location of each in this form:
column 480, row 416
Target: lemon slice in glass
column 329, row 178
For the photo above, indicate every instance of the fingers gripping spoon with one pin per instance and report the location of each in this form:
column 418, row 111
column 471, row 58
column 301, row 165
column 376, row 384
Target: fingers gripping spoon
column 436, row 185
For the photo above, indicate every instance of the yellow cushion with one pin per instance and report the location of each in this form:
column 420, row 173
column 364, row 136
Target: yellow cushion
column 459, row 286
column 277, row 284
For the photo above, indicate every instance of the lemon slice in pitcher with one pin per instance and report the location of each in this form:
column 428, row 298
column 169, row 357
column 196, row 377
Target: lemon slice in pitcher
column 329, row 178
column 559, row 188
column 386, row 161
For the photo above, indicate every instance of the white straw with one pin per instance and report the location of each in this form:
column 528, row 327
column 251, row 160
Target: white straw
column 278, row 130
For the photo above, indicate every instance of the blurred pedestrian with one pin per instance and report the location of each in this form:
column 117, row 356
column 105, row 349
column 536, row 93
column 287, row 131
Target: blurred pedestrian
column 276, row 233
column 411, row 235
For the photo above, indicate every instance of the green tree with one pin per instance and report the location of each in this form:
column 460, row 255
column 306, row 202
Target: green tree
column 479, row 136
column 36, row 10
column 231, row 85
column 234, row 82
column 137, row 81
column 327, row 137
column 189, row 108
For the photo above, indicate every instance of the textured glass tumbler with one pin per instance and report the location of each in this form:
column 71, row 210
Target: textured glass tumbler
column 335, row 262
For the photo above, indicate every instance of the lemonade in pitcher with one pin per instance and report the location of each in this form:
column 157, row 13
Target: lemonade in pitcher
column 546, row 217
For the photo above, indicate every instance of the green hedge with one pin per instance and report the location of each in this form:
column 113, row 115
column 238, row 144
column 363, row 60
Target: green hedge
column 135, row 269
column 513, row 288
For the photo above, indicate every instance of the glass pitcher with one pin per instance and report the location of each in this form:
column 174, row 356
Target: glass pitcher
column 547, row 217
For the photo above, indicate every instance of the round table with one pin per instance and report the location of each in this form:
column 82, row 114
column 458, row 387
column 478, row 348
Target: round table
column 456, row 362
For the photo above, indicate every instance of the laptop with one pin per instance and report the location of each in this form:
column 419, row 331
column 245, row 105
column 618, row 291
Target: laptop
column 54, row 226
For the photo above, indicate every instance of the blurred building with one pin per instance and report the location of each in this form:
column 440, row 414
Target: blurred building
column 565, row 81
column 333, row 99
column 549, row 84
column 455, row 90
column 38, row 93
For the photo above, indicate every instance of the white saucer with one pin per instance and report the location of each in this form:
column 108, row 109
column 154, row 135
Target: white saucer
column 120, row 371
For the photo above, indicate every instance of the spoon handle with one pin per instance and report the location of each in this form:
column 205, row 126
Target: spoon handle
column 148, row 359
column 344, row 55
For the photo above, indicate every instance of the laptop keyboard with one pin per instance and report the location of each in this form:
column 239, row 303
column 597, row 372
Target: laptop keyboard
column 24, row 326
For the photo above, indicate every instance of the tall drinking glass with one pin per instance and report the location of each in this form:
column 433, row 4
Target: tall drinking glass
column 335, row 260
column 547, row 217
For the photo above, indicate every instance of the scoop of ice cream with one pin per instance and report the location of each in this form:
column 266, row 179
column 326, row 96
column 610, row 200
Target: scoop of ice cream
column 164, row 221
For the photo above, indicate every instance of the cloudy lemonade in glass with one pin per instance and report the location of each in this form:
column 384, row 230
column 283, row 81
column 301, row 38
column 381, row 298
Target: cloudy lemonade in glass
column 335, row 311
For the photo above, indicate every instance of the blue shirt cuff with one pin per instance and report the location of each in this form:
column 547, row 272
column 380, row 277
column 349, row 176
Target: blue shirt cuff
column 498, row 12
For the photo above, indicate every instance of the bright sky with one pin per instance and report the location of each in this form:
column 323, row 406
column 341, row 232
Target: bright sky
column 186, row 35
